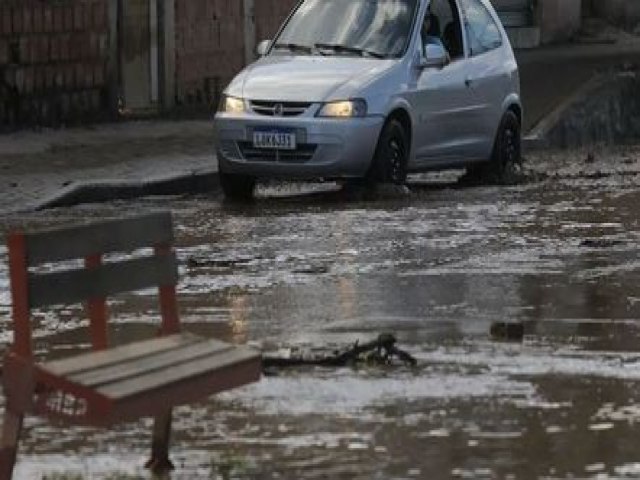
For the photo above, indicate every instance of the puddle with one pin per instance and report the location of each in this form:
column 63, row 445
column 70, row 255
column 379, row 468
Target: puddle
column 304, row 267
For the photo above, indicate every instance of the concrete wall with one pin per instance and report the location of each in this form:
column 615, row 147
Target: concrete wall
column 624, row 13
column 559, row 20
column 605, row 111
column 53, row 61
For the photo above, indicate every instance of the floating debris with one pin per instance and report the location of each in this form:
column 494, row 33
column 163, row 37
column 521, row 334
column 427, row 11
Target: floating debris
column 507, row 332
column 382, row 351
column 600, row 243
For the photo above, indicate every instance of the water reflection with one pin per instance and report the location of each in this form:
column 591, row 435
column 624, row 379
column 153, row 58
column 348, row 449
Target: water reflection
column 438, row 271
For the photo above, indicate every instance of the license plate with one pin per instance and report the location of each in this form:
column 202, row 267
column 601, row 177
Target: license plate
column 275, row 139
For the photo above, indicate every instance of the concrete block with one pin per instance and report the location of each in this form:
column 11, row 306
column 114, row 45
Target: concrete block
column 44, row 49
column 24, row 50
column 29, row 80
column 80, row 75
column 17, row 20
column 54, row 48
column 99, row 75
column 64, row 47
column 47, row 22
column 4, row 51
column 5, row 21
column 68, row 18
column 37, row 19
column 88, row 76
column 39, row 74
column 78, row 17
column 27, row 20
column 88, row 17
column 58, row 77
column 69, row 79
column 50, row 77
column 58, row 19
column 94, row 46
column 75, row 47
column 99, row 14
column 95, row 100
column 103, row 45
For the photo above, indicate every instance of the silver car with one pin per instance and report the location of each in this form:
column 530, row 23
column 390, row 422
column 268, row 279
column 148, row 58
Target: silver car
column 373, row 90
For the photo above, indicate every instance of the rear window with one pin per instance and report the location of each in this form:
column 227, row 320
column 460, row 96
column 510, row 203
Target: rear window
column 483, row 32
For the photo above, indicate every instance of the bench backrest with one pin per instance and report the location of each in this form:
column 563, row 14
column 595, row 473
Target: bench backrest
column 97, row 279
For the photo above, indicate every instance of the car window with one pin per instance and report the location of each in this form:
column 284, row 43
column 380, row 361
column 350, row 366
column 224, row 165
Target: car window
column 483, row 32
column 442, row 22
column 380, row 27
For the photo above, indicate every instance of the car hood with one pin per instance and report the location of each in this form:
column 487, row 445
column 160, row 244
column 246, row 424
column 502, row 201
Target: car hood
column 307, row 78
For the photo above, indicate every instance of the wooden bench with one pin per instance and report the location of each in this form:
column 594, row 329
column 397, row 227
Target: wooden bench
column 108, row 385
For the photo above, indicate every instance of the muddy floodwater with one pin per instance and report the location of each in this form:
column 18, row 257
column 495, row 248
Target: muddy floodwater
column 559, row 253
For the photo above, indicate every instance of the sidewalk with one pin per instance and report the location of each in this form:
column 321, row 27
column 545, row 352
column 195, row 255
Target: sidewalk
column 103, row 161
column 131, row 159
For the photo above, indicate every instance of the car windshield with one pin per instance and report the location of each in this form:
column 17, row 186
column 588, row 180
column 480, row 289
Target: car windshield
column 372, row 28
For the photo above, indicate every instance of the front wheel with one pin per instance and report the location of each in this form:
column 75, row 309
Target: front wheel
column 391, row 156
column 237, row 187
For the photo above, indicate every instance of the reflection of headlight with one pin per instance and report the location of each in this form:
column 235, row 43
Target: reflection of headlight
column 344, row 109
column 231, row 105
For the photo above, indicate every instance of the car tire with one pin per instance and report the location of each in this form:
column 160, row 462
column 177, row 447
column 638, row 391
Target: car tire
column 506, row 156
column 390, row 160
column 237, row 187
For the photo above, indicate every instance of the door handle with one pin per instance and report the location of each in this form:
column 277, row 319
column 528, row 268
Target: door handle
column 468, row 81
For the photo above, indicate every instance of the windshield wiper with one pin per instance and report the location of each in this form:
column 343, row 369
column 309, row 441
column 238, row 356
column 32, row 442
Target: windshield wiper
column 295, row 47
column 347, row 49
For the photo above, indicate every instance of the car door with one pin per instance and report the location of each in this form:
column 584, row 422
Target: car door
column 441, row 100
column 487, row 78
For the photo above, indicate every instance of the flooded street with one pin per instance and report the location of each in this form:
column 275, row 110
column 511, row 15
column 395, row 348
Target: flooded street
column 437, row 268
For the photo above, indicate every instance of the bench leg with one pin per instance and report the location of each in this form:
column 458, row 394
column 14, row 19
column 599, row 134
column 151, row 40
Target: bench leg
column 11, row 429
column 160, row 462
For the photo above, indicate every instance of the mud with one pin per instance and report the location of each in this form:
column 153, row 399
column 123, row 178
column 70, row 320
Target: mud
column 303, row 268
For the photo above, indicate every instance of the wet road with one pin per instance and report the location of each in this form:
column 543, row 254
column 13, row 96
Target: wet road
column 437, row 268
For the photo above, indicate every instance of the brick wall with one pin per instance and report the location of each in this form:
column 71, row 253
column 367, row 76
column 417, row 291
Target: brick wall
column 269, row 16
column 209, row 48
column 210, row 44
column 53, row 60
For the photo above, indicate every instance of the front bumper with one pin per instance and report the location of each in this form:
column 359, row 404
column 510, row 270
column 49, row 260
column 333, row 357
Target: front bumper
column 327, row 148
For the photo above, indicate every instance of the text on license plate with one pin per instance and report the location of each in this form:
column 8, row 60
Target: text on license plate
column 275, row 139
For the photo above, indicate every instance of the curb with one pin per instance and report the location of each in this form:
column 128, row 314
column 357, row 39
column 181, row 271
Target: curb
column 537, row 139
column 201, row 181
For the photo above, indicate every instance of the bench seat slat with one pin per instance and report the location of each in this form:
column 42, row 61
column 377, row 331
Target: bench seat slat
column 73, row 286
column 138, row 367
column 107, row 237
column 116, row 356
column 147, row 384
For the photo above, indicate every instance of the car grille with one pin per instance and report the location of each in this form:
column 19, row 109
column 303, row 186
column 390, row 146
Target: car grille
column 303, row 153
column 279, row 109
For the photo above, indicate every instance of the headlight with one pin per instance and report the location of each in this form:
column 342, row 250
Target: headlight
column 344, row 109
column 231, row 105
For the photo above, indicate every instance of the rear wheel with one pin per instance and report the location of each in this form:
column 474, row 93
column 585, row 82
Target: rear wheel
column 237, row 187
column 390, row 159
column 506, row 156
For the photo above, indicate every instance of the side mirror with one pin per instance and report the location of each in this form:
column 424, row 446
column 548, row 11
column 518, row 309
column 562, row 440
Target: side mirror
column 435, row 56
column 263, row 48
